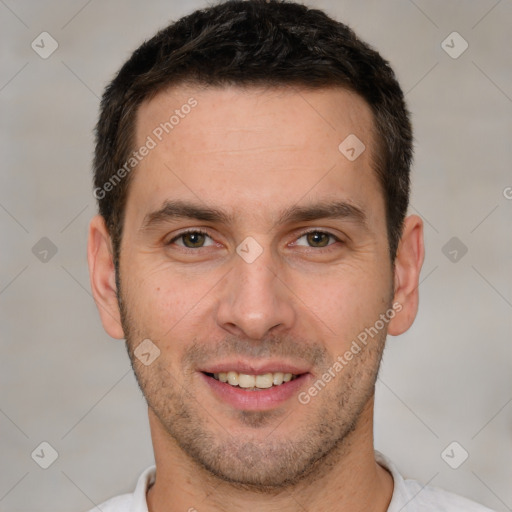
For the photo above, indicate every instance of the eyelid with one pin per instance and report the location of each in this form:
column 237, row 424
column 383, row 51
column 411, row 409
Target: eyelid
column 201, row 231
column 297, row 237
column 318, row 230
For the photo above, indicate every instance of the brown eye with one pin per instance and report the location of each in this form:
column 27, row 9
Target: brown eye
column 318, row 238
column 192, row 240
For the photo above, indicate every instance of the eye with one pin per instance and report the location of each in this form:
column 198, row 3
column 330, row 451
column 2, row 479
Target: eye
column 197, row 239
column 317, row 239
column 193, row 239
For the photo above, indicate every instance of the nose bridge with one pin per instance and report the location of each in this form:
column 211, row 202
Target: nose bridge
column 256, row 281
column 255, row 300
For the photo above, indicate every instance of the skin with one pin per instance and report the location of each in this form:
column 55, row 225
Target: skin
column 257, row 152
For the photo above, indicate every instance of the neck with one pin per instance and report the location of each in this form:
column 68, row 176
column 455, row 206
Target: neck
column 347, row 479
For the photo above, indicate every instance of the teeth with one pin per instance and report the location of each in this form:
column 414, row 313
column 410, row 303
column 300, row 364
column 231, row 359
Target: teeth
column 246, row 381
column 278, row 378
column 264, row 381
column 233, row 378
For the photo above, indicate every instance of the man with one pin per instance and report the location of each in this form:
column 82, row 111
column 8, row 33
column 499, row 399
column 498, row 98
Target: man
column 252, row 172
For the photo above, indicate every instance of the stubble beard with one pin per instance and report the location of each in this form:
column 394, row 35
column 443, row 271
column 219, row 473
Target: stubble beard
column 283, row 458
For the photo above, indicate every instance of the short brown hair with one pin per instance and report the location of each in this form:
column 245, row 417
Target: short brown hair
column 254, row 42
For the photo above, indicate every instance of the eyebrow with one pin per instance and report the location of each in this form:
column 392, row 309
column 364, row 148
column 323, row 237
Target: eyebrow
column 178, row 209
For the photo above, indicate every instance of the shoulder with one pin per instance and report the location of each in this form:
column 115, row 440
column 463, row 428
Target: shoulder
column 121, row 503
column 428, row 498
column 134, row 502
column 412, row 496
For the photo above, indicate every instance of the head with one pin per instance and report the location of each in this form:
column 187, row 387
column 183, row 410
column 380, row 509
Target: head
column 282, row 143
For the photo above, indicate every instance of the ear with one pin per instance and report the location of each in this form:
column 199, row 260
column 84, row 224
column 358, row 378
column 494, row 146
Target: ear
column 102, row 276
column 408, row 262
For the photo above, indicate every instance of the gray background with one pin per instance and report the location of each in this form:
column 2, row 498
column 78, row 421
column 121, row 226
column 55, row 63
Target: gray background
column 64, row 381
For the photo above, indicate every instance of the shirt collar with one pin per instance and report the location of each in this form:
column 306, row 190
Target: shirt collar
column 145, row 481
column 399, row 499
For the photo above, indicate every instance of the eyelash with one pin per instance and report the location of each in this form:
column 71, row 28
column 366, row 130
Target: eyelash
column 202, row 232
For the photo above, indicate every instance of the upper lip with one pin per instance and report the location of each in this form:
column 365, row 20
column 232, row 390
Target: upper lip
column 255, row 368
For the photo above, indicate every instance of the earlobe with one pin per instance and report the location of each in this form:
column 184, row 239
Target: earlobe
column 408, row 263
column 102, row 277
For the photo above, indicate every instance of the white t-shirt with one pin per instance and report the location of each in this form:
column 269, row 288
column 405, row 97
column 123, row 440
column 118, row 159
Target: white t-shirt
column 408, row 495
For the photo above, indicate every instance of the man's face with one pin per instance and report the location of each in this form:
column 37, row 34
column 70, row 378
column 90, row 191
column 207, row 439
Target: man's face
column 253, row 292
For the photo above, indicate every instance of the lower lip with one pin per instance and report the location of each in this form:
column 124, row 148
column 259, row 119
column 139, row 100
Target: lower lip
column 261, row 400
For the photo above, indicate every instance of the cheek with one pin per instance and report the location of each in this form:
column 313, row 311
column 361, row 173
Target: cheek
column 161, row 301
column 346, row 301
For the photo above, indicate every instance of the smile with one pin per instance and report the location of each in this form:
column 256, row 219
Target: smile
column 255, row 392
column 253, row 382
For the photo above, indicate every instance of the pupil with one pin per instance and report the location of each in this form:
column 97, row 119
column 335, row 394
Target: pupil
column 315, row 238
column 197, row 239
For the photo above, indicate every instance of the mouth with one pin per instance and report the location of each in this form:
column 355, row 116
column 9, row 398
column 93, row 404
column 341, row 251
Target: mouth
column 250, row 382
column 255, row 391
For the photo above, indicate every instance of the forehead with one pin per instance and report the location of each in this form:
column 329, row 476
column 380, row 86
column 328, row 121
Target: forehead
column 293, row 115
column 255, row 146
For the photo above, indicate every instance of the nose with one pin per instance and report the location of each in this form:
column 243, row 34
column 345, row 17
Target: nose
column 255, row 299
